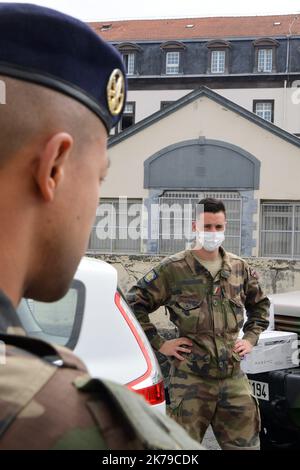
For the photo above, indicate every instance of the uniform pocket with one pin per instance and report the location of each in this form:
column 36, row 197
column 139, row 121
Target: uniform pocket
column 188, row 313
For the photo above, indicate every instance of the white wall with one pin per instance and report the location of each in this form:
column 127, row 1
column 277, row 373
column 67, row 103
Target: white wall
column 280, row 160
column 286, row 111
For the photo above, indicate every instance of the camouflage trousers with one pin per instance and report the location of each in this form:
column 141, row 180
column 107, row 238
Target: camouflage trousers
column 226, row 404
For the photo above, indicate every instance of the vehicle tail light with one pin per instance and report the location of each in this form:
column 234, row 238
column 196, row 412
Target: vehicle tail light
column 154, row 393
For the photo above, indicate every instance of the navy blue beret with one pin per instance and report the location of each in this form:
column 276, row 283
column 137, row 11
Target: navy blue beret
column 46, row 47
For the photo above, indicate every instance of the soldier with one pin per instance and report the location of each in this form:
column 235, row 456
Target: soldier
column 205, row 290
column 64, row 89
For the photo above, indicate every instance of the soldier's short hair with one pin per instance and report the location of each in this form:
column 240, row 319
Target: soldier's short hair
column 212, row 205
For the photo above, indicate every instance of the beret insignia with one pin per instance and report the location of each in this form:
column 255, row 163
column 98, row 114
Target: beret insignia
column 116, row 92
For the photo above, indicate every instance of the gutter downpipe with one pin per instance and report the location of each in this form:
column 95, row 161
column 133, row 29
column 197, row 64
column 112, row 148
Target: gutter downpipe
column 287, row 67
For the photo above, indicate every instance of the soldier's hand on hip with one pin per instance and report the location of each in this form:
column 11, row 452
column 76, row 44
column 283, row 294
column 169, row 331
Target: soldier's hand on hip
column 174, row 347
column 242, row 347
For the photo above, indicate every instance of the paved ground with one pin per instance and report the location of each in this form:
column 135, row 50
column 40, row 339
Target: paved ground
column 210, row 441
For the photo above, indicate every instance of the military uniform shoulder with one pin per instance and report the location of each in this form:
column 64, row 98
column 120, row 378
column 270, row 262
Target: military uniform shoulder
column 164, row 266
column 150, row 429
column 233, row 256
column 174, row 258
column 172, row 261
column 30, row 382
column 235, row 259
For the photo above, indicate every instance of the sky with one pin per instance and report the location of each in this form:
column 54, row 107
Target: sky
column 98, row 10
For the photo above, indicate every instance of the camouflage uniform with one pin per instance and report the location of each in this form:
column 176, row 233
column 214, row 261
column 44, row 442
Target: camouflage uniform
column 208, row 387
column 47, row 406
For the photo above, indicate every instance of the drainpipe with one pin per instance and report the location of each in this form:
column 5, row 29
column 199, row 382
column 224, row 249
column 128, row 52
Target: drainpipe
column 284, row 104
column 287, row 69
column 287, row 62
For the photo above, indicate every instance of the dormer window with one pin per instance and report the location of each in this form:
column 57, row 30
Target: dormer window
column 129, row 53
column 265, row 55
column 173, row 57
column 218, row 58
column 265, row 60
column 129, row 62
column 172, row 62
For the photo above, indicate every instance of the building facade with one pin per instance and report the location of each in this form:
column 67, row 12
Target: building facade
column 253, row 61
column 234, row 139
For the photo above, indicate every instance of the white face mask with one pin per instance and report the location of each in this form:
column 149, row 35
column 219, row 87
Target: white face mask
column 210, row 241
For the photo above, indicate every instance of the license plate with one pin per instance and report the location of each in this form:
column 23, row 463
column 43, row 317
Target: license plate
column 260, row 389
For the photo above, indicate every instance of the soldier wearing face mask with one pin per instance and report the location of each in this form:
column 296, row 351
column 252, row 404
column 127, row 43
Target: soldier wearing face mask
column 206, row 290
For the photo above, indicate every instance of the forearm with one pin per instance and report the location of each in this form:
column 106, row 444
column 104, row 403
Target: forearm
column 257, row 307
column 258, row 321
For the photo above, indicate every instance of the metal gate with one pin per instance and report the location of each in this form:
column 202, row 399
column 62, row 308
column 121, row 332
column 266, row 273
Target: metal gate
column 280, row 230
column 177, row 211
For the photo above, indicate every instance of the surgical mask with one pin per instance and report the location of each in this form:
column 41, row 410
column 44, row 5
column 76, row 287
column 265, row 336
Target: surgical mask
column 211, row 241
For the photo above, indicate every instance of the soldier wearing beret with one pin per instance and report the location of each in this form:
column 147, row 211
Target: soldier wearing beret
column 205, row 290
column 64, row 89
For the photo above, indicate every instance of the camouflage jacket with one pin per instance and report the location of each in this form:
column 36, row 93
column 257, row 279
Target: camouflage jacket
column 48, row 401
column 208, row 311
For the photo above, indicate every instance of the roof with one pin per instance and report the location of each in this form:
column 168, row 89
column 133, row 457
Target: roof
column 213, row 27
column 194, row 95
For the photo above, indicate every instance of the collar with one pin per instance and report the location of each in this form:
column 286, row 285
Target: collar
column 197, row 267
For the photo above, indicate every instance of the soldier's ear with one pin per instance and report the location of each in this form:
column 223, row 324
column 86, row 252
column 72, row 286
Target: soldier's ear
column 51, row 164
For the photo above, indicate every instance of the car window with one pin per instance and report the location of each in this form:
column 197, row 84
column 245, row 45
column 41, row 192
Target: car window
column 56, row 322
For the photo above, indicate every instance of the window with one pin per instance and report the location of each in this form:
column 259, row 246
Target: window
column 172, row 62
column 56, row 322
column 218, row 56
column 265, row 60
column 177, row 211
column 130, row 53
column 265, row 55
column 280, row 230
column 117, row 228
column 218, row 61
column 172, row 57
column 128, row 117
column 264, row 109
column 129, row 61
